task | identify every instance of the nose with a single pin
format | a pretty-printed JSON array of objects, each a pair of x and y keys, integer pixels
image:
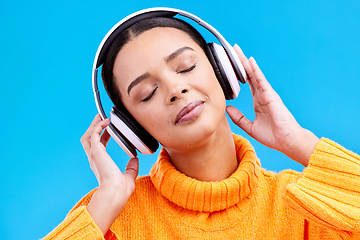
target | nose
[
  {"x": 176, "y": 91},
  {"x": 173, "y": 98}
]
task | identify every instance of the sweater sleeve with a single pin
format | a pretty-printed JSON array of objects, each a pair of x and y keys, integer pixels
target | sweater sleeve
[
  {"x": 79, "y": 224},
  {"x": 328, "y": 192}
]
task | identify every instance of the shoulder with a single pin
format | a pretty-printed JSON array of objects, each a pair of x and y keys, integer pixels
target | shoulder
[
  {"x": 144, "y": 189},
  {"x": 272, "y": 188},
  {"x": 84, "y": 201},
  {"x": 144, "y": 197},
  {"x": 281, "y": 179},
  {"x": 143, "y": 180},
  {"x": 143, "y": 184},
  {"x": 284, "y": 174}
]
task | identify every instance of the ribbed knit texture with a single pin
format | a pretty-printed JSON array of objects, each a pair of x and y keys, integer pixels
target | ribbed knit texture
[
  {"x": 329, "y": 189},
  {"x": 203, "y": 196},
  {"x": 321, "y": 203}
]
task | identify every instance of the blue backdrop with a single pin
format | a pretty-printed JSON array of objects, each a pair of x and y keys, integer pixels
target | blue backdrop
[{"x": 308, "y": 50}]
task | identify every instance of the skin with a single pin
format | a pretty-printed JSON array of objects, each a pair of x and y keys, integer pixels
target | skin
[
  {"x": 166, "y": 59},
  {"x": 196, "y": 142}
]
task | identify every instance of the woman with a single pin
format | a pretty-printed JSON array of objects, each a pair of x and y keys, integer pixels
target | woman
[{"x": 207, "y": 182}]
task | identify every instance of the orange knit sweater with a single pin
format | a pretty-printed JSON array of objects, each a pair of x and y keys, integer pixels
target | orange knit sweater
[{"x": 323, "y": 202}]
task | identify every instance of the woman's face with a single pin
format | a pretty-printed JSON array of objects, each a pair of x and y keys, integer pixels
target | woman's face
[{"x": 167, "y": 83}]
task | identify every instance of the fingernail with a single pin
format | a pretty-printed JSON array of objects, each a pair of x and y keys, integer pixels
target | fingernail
[
  {"x": 229, "y": 109},
  {"x": 237, "y": 47}
]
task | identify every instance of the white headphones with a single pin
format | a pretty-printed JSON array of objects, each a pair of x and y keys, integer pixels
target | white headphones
[{"x": 126, "y": 131}]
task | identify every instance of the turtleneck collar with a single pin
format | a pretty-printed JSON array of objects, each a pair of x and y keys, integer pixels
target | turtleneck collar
[{"x": 202, "y": 196}]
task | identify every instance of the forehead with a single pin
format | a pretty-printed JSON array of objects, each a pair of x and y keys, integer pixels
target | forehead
[
  {"x": 156, "y": 40},
  {"x": 148, "y": 49}
]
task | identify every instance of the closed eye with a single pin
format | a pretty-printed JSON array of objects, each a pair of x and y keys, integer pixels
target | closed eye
[
  {"x": 187, "y": 70},
  {"x": 149, "y": 97}
]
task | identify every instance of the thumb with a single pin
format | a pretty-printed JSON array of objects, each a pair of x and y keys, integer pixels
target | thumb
[
  {"x": 132, "y": 168},
  {"x": 239, "y": 119}
]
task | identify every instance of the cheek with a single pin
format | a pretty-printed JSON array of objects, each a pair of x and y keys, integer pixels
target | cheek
[
  {"x": 208, "y": 78},
  {"x": 153, "y": 119},
  {"x": 211, "y": 85},
  {"x": 216, "y": 94}
]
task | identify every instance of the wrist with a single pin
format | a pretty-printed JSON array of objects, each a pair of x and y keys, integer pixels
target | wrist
[
  {"x": 113, "y": 198},
  {"x": 105, "y": 206},
  {"x": 301, "y": 146}
]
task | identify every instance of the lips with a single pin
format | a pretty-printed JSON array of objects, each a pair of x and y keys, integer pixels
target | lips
[{"x": 189, "y": 112}]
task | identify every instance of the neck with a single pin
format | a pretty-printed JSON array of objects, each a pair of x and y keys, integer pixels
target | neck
[{"x": 212, "y": 160}]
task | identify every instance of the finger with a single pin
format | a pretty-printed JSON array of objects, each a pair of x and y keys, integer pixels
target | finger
[
  {"x": 260, "y": 77},
  {"x": 96, "y": 120},
  {"x": 239, "y": 119},
  {"x": 245, "y": 62},
  {"x": 132, "y": 168},
  {"x": 86, "y": 144},
  {"x": 85, "y": 139},
  {"x": 240, "y": 54},
  {"x": 96, "y": 131},
  {"x": 105, "y": 137}
]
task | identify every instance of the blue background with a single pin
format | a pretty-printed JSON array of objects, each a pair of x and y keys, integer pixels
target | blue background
[{"x": 308, "y": 50}]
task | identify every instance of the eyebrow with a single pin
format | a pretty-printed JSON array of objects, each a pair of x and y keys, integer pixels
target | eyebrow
[
  {"x": 177, "y": 53},
  {"x": 137, "y": 81},
  {"x": 167, "y": 60}
]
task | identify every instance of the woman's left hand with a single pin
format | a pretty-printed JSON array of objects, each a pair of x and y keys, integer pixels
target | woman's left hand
[{"x": 274, "y": 125}]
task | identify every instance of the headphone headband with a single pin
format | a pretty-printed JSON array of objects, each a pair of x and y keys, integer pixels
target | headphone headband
[
  {"x": 145, "y": 143},
  {"x": 124, "y": 24},
  {"x": 149, "y": 13}
]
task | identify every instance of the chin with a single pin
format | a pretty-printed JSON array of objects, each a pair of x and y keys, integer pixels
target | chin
[{"x": 194, "y": 136}]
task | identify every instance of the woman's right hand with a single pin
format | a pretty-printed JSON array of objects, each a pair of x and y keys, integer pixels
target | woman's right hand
[{"x": 115, "y": 187}]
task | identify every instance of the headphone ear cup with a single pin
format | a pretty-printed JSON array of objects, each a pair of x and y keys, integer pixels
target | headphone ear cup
[
  {"x": 217, "y": 71},
  {"x": 133, "y": 131},
  {"x": 121, "y": 140},
  {"x": 223, "y": 70}
]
